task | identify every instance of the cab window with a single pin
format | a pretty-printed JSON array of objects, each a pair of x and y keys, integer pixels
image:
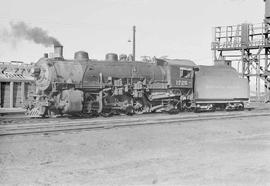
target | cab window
[{"x": 185, "y": 73}]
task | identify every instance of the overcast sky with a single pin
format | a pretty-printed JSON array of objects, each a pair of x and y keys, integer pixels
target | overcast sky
[{"x": 174, "y": 28}]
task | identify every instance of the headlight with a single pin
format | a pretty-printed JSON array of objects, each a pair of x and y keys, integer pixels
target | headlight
[{"x": 35, "y": 71}]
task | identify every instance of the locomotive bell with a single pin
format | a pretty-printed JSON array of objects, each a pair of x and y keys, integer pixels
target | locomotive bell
[{"x": 123, "y": 57}]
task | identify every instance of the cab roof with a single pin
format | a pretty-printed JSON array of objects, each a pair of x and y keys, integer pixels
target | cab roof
[{"x": 182, "y": 62}]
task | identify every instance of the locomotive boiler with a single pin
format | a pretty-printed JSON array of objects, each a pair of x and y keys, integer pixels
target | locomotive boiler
[{"x": 110, "y": 86}]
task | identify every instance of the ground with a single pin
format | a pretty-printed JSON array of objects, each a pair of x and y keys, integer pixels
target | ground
[{"x": 216, "y": 152}]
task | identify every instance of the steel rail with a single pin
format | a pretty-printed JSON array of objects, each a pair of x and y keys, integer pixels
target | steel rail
[{"x": 79, "y": 125}]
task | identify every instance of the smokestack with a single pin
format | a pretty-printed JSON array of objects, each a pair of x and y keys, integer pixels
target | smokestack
[{"x": 58, "y": 51}]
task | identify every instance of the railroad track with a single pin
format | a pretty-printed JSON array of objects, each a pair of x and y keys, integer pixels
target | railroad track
[{"x": 58, "y": 126}]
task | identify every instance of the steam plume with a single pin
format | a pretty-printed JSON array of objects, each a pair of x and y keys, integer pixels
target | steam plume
[{"x": 21, "y": 30}]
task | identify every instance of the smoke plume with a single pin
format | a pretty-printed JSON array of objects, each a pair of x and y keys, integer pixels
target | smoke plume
[{"x": 21, "y": 30}]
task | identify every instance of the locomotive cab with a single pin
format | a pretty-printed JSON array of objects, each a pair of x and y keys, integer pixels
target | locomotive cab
[{"x": 180, "y": 79}]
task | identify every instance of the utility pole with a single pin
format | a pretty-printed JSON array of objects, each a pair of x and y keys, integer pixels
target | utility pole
[
  {"x": 134, "y": 43},
  {"x": 267, "y": 9}
]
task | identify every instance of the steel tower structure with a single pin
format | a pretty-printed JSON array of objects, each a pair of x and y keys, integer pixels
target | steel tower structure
[{"x": 247, "y": 48}]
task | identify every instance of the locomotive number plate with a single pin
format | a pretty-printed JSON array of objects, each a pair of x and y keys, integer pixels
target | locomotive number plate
[{"x": 181, "y": 83}]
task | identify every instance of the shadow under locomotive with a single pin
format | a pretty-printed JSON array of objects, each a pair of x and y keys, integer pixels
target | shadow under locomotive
[{"x": 91, "y": 87}]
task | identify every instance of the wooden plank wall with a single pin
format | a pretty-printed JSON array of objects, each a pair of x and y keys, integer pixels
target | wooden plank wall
[
  {"x": 17, "y": 95},
  {"x": 5, "y": 93},
  {"x": 29, "y": 89}
]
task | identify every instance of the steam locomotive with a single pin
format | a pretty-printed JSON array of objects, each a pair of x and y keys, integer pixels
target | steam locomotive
[{"x": 85, "y": 87}]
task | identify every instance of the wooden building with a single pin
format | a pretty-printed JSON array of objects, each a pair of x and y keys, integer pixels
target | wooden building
[{"x": 16, "y": 84}]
